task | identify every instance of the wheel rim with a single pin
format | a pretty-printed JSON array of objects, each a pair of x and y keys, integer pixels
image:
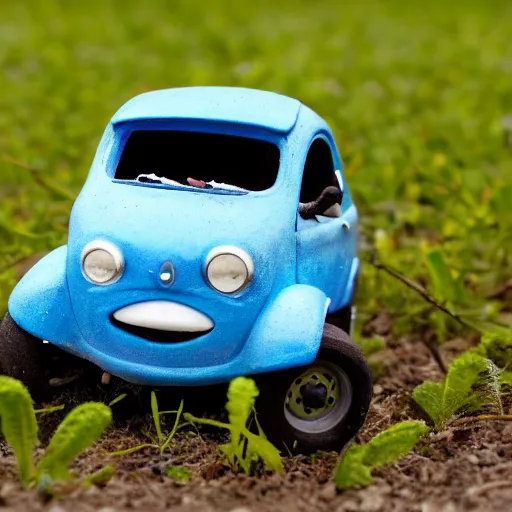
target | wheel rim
[{"x": 319, "y": 398}]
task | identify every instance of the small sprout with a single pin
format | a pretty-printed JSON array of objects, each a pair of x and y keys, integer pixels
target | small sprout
[
  {"x": 79, "y": 430},
  {"x": 117, "y": 399},
  {"x": 472, "y": 381},
  {"x": 244, "y": 447},
  {"x": 100, "y": 477},
  {"x": 19, "y": 425},
  {"x": 163, "y": 440}
]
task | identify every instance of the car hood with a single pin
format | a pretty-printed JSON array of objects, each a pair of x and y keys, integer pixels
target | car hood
[{"x": 152, "y": 226}]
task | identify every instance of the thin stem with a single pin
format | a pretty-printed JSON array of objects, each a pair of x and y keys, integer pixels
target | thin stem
[
  {"x": 205, "y": 421},
  {"x": 174, "y": 429}
]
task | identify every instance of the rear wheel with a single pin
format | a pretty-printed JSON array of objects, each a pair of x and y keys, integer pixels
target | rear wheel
[
  {"x": 21, "y": 358},
  {"x": 321, "y": 406}
]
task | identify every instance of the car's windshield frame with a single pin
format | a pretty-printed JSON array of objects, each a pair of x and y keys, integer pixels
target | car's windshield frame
[{"x": 123, "y": 131}]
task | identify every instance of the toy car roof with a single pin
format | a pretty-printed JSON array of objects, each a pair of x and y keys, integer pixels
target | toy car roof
[{"x": 223, "y": 104}]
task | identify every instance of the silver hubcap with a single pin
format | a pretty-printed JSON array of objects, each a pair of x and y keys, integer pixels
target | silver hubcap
[{"x": 319, "y": 398}]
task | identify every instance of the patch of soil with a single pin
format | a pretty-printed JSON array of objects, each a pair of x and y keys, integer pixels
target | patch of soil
[{"x": 464, "y": 468}]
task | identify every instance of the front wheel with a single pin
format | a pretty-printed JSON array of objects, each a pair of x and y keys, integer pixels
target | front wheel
[
  {"x": 20, "y": 358},
  {"x": 321, "y": 406}
]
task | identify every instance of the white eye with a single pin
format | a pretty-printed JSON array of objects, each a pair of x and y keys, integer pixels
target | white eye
[
  {"x": 229, "y": 269},
  {"x": 102, "y": 263}
]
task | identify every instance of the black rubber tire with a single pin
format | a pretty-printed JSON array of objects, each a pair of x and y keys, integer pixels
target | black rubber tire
[
  {"x": 20, "y": 358},
  {"x": 337, "y": 348}
]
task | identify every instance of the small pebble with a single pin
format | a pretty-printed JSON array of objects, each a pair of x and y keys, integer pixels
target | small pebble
[
  {"x": 329, "y": 492},
  {"x": 472, "y": 458}
]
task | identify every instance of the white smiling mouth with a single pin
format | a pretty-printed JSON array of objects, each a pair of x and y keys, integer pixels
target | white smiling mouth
[{"x": 164, "y": 316}]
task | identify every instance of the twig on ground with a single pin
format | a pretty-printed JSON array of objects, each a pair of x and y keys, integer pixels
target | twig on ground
[
  {"x": 421, "y": 291},
  {"x": 481, "y": 417},
  {"x": 433, "y": 347},
  {"x": 489, "y": 486}
]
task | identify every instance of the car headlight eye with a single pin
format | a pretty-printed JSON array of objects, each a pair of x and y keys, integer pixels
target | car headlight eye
[
  {"x": 229, "y": 269},
  {"x": 102, "y": 263}
]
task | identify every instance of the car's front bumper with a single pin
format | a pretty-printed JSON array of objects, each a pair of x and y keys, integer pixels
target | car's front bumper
[{"x": 286, "y": 333}]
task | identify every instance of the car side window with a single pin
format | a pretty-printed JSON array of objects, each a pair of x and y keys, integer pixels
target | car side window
[{"x": 320, "y": 192}]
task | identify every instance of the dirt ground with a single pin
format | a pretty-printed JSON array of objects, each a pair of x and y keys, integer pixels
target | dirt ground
[{"x": 463, "y": 468}]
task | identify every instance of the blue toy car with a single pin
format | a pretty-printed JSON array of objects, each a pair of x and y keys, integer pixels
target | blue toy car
[{"x": 214, "y": 237}]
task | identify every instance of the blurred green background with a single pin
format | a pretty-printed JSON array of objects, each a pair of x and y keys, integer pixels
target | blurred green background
[{"x": 416, "y": 94}]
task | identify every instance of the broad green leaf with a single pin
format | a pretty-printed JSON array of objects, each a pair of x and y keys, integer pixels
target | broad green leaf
[
  {"x": 393, "y": 443},
  {"x": 77, "y": 432},
  {"x": 429, "y": 396},
  {"x": 463, "y": 374},
  {"x": 351, "y": 471},
  {"x": 18, "y": 424},
  {"x": 506, "y": 379},
  {"x": 354, "y": 468},
  {"x": 471, "y": 380}
]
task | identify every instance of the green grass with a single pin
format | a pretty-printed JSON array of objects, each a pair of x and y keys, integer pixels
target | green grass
[{"x": 415, "y": 94}]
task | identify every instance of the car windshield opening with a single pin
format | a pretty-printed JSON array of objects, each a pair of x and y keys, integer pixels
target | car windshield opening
[{"x": 201, "y": 160}]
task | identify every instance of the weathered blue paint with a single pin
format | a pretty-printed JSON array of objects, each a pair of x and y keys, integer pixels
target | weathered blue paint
[{"x": 300, "y": 267}]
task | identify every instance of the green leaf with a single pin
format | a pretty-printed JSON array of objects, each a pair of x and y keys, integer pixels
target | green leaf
[
  {"x": 497, "y": 346},
  {"x": 506, "y": 379},
  {"x": 445, "y": 287},
  {"x": 470, "y": 379},
  {"x": 259, "y": 447},
  {"x": 79, "y": 430},
  {"x": 393, "y": 443},
  {"x": 354, "y": 469},
  {"x": 463, "y": 374},
  {"x": 175, "y": 427},
  {"x": 19, "y": 426},
  {"x": 429, "y": 396},
  {"x": 351, "y": 471},
  {"x": 244, "y": 447},
  {"x": 156, "y": 417},
  {"x": 100, "y": 477},
  {"x": 242, "y": 393},
  {"x": 117, "y": 399},
  {"x": 178, "y": 473}
]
